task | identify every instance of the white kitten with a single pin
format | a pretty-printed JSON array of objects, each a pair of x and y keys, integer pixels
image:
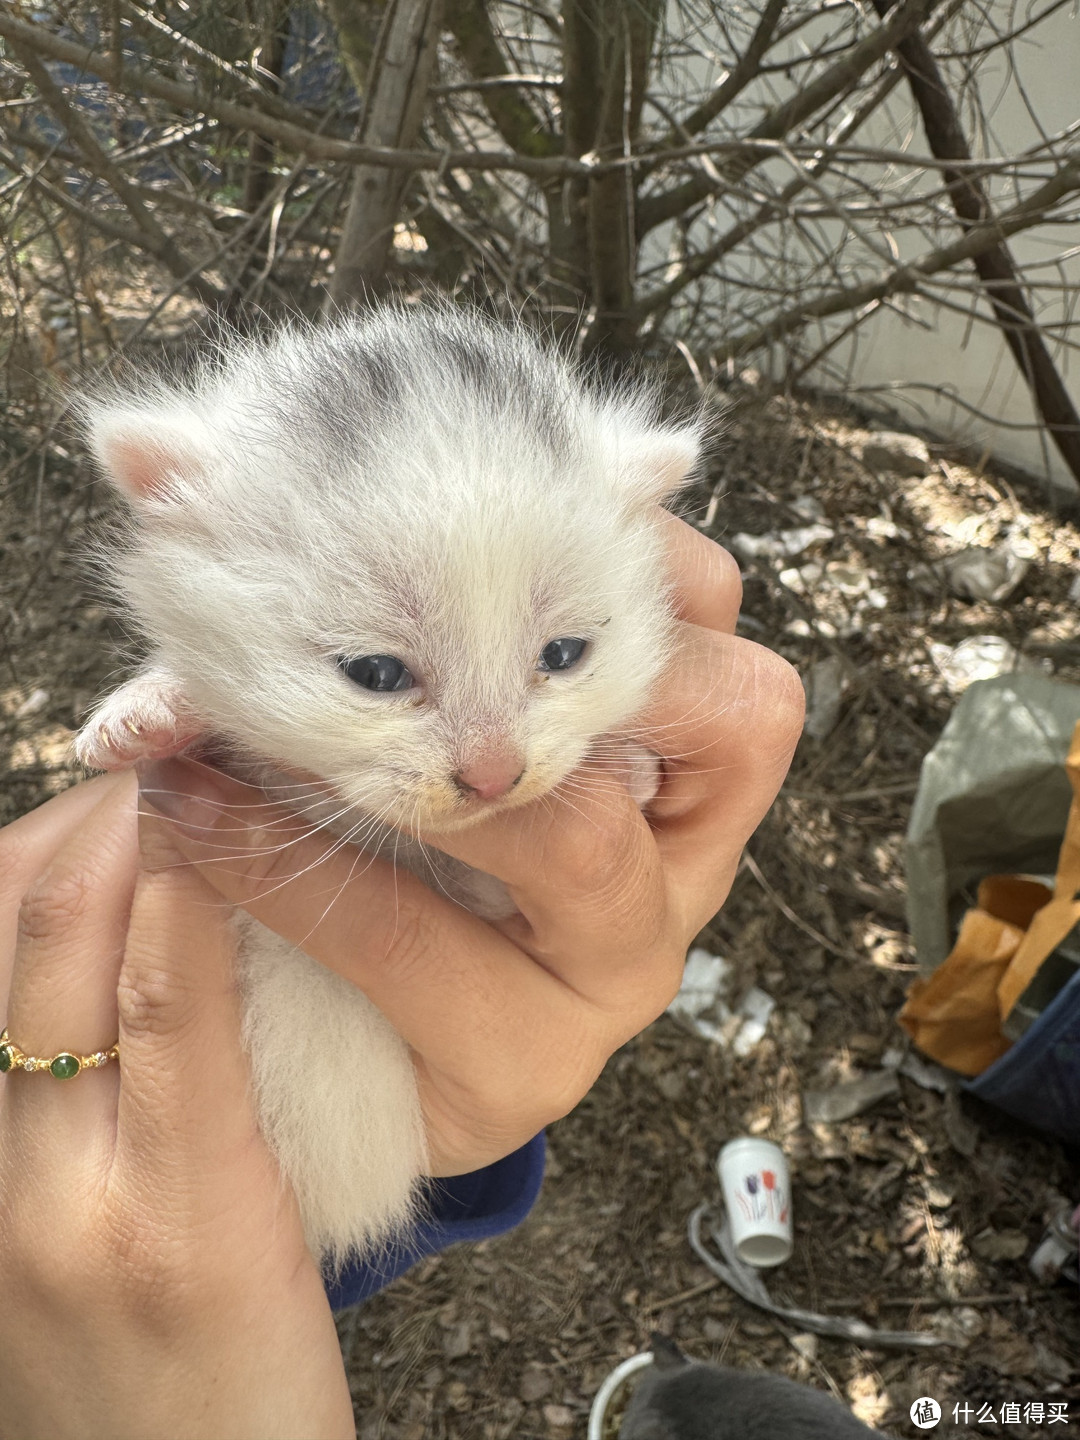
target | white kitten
[{"x": 416, "y": 555}]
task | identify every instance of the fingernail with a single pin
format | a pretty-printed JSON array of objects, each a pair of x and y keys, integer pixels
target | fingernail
[{"x": 182, "y": 791}]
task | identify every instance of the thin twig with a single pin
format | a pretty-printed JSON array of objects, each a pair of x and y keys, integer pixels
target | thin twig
[{"x": 785, "y": 909}]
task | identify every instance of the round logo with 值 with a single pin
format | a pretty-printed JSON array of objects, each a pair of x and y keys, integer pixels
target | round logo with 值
[{"x": 925, "y": 1412}]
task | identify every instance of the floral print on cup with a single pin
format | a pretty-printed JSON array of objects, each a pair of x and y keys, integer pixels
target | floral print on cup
[{"x": 764, "y": 1197}]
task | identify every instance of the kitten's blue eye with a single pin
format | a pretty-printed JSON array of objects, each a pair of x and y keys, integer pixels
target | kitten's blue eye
[
  {"x": 561, "y": 654},
  {"x": 376, "y": 672}
]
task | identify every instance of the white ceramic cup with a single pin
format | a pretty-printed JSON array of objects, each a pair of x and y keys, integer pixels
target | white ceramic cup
[{"x": 757, "y": 1196}]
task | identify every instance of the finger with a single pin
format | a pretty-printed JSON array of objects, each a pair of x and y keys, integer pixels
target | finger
[
  {"x": 381, "y": 928},
  {"x": 726, "y": 720},
  {"x": 707, "y": 581},
  {"x": 726, "y": 724},
  {"x": 183, "y": 1102},
  {"x": 28, "y": 845},
  {"x": 483, "y": 1019},
  {"x": 71, "y": 929},
  {"x": 436, "y": 971},
  {"x": 582, "y": 867}
]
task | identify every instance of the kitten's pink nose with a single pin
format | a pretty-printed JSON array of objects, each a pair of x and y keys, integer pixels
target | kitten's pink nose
[{"x": 489, "y": 776}]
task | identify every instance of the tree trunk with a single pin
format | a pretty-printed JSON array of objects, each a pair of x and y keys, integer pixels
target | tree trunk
[
  {"x": 612, "y": 248},
  {"x": 607, "y": 57},
  {"x": 567, "y": 201},
  {"x": 400, "y": 75},
  {"x": 258, "y": 176},
  {"x": 995, "y": 267}
]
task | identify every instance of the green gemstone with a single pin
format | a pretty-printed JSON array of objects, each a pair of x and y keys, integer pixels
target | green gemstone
[
  {"x": 64, "y": 1066},
  {"x": 6, "y": 1058}
]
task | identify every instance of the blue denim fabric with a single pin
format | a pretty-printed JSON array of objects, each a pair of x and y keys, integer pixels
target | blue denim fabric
[
  {"x": 1038, "y": 1079},
  {"x": 463, "y": 1207}
]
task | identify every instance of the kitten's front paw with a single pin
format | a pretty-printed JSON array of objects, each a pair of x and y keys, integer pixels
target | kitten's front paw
[{"x": 146, "y": 719}]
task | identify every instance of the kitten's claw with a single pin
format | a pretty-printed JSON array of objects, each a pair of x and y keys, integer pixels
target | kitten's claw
[{"x": 146, "y": 719}]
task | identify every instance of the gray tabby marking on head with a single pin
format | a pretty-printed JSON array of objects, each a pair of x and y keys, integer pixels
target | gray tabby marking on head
[{"x": 681, "y": 1399}]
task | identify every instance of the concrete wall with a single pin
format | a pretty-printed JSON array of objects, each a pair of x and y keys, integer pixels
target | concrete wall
[{"x": 899, "y": 358}]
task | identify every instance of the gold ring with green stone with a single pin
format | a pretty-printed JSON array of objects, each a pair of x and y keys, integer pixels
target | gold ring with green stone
[{"x": 63, "y": 1066}]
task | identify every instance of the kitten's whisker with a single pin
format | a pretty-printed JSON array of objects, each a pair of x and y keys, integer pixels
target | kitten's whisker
[
  {"x": 224, "y": 830},
  {"x": 369, "y": 856}
]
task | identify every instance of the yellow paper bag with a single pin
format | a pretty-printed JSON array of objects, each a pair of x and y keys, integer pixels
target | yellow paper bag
[
  {"x": 955, "y": 1016},
  {"x": 1053, "y": 922}
]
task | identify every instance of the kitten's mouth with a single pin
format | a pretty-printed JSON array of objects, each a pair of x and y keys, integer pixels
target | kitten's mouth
[
  {"x": 471, "y": 809},
  {"x": 456, "y": 807}
]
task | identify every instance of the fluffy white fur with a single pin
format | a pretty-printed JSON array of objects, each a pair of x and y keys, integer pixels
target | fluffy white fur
[{"x": 418, "y": 483}]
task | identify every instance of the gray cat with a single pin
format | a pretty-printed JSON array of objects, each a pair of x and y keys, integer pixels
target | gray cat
[{"x": 681, "y": 1399}]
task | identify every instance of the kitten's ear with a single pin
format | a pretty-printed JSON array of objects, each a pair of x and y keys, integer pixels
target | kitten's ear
[
  {"x": 660, "y": 462},
  {"x": 147, "y": 453},
  {"x": 666, "y": 1354}
]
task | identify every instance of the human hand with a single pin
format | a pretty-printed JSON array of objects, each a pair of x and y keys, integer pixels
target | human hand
[
  {"x": 153, "y": 1269},
  {"x": 510, "y": 1022}
]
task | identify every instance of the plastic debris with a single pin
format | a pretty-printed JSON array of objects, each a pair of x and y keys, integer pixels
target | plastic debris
[
  {"x": 701, "y": 1005},
  {"x": 895, "y": 453},
  {"x": 850, "y": 1098},
  {"x": 993, "y": 799},
  {"x": 747, "y": 1282},
  {"x": 808, "y": 508},
  {"x": 607, "y": 1391},
  {"x": 1052, "y": 976},
  {"x": 704, "y": 981},
  {"x": 1058, "y": 1248},
  {"x": 756, "y": 1185},
  {"x": 824, "y": 686},
  {"x": 33, "y": 704},
  {"x": 785, "y": 544},
  {"x": 925, "y": 1073},
  {"x": 981, "y": 657},
  {"x": 990, "y": 572},
  {"x": 754, "y": 1011}
]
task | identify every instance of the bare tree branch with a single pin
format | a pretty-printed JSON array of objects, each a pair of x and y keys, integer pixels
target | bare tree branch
[
  {"x": 554, "y": 146},
  {"x": 654, "y": 305},
  {"x": 904, "y": 279},
  {"x": 783, "y": 117},
  {"x": 396, "y": 97},
  {"x": 734, "y": 82},
  {"x": 511, "y": 114},
  {"x": 994, "y": 265},
  {"x": 144, "y": 21},
  {"x": 156, "y": 240},
  {"x": 200, "y": 100}
]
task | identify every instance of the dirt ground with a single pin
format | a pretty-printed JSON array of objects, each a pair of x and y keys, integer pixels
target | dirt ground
[{"x": 917, "y": 1214}]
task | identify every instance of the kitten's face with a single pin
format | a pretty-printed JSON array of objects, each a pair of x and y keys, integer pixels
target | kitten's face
[
  {"x": 412, "y": 554},
  {"x": 402, "y": 673}
]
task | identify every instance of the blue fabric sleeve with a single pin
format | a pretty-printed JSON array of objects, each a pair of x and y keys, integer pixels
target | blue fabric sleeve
[{"x": 462, "y": 1207}]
